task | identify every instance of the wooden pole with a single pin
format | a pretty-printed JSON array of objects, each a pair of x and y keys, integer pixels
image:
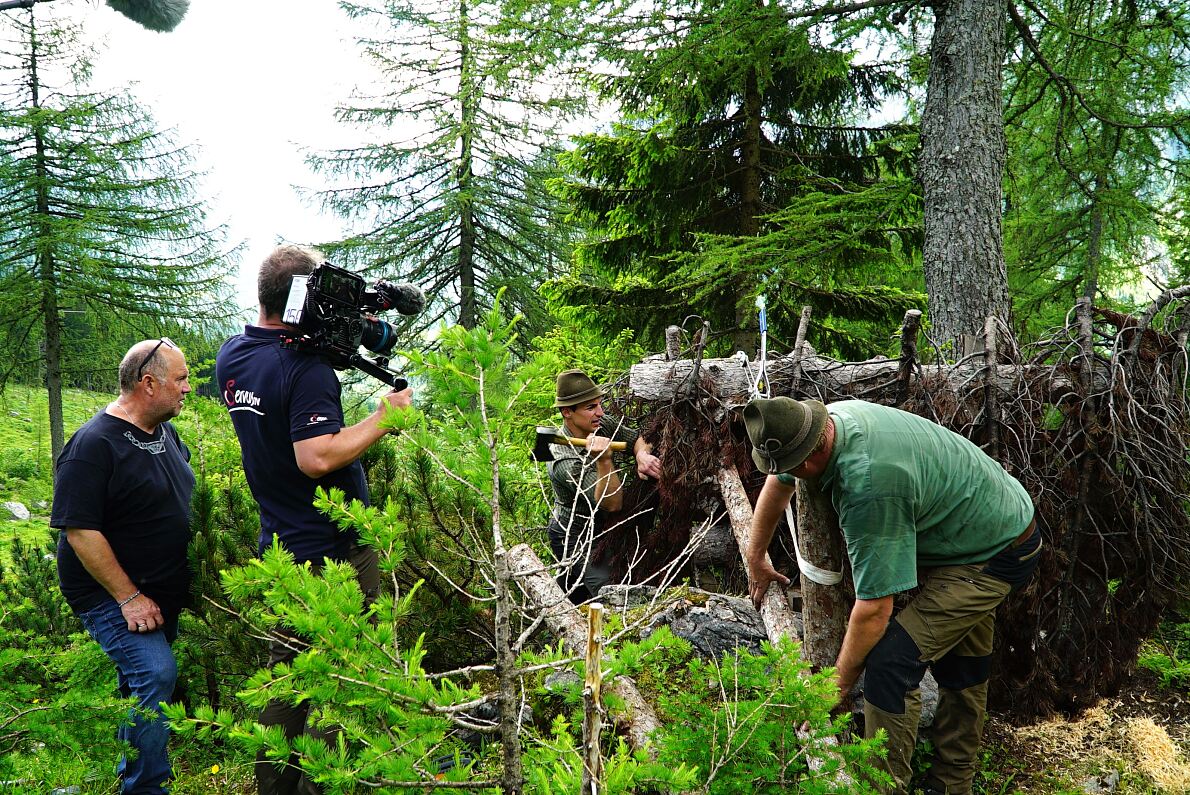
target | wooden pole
[
  {"x": 991, "y": 408},
  {"x": 779, "y": 619},
  {"x": 673, "y": 343},
  {"x": 910, "y": 327},
  {"x": 592, "y": 705},
  {"x": 799, "y": 348},
  {"x": 825, "y": 608}
]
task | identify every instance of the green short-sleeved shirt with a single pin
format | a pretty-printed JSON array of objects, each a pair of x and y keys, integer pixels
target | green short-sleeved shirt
[
  {"x": 910, "y": 492},
  {"x": 572, "y": 476}
]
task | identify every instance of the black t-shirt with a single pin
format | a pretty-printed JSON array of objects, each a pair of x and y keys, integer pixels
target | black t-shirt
[
  {"x": 135, "y": 489},
  {"x": 277, "y": 397}
]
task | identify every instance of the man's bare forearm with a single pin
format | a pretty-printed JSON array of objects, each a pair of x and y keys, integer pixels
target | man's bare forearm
[
  {"x": 95, "y": 553},
  {"x": 865, "y": 627},
  {"x": 774, "y": 496}
]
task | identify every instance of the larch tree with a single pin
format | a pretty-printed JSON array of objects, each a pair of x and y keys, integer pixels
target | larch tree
[
  {"x": 101, "y": 229},
  {"x": 1095, "y": 137},
  {"x": 451, "y": 195}
]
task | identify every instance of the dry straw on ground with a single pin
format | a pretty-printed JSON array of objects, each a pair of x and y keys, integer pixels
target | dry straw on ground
[{"x": 1157, "y": 757}]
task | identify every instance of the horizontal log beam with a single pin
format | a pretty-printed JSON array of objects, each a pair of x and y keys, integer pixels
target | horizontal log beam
[{"x": 731, "y": 380}]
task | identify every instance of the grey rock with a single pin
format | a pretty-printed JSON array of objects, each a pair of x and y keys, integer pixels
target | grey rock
[
  {"x": 929, "y": 700},
  {"x": 487, "y": 716},
  {"x": 1099, "y": 785},
  {"x": 14, "y": 511},
  {"x": 713, "y": 623},
  {"x": 561, "y": 680},
  {"x": 626, "y": 597}
]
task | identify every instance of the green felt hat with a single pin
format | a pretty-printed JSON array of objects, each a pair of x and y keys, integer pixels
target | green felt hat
[
  {"x": 574, "y": 387},
  {"x": 783, "y": 431}
]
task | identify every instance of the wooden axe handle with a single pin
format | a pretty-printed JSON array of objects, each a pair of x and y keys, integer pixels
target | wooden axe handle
[{"x": 616, "y": 447}]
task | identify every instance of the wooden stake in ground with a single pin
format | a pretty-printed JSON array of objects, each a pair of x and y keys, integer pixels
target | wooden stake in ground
[{"x": 592, "y": 703}]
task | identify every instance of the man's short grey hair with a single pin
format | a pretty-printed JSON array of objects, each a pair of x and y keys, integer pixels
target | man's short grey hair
[
  {"x": 131, "y": 363},
  {"x": 278, "y": 270}
]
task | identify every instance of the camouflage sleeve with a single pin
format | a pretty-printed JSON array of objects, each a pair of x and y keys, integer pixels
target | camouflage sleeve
[
  {"x": 620, "y": 430},
  {"x": 573, "y": 481}
]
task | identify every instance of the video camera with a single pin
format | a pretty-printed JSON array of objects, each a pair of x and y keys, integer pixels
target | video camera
[{"x": 330, "y": 307}]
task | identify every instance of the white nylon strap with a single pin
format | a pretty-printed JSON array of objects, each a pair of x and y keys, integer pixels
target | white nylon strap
[{"x": 808, "y": 569}]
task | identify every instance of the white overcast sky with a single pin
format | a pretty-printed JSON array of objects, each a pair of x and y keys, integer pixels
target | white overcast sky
[{"x": 248, "y": 83}]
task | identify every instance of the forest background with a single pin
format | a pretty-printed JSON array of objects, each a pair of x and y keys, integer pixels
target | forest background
[{"x": 738, "y": 161}]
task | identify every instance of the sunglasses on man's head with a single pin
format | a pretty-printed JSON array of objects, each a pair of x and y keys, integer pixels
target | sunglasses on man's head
[{"x": 163, "y": 341}]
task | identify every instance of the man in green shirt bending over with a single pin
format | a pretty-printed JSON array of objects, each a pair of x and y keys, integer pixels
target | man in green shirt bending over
[{"x": 918, "y": 505}]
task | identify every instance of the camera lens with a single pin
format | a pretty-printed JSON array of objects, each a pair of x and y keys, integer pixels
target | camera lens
[{"x": 377, "y": 336}]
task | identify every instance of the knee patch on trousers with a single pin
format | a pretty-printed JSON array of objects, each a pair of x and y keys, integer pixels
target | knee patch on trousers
[
  {"x": 956, "y": 672},
  {"x": 893, "y": 668}
]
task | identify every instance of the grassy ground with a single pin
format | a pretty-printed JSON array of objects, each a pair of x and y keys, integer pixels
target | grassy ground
[{"x": 25, "y": 458}]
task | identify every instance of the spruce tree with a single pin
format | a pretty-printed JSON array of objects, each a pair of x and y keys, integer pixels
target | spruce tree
[{"x": 729, "y": 114}]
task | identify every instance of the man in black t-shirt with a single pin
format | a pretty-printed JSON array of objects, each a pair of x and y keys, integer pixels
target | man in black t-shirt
[
  {"x": 285, "y": 406},
  {"x": 122, "y": 489}
]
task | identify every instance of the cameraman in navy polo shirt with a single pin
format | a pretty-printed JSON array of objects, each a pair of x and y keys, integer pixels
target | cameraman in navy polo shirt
[{"x": 286, "y": 409}]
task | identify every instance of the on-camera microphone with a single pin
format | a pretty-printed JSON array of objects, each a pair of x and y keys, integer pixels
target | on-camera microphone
[
  {"x": 407, "y": 299},
  {"x": 159, "y": 15}
]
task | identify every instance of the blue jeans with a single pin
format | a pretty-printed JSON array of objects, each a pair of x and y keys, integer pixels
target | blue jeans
[{"x": 146, "y": 671}]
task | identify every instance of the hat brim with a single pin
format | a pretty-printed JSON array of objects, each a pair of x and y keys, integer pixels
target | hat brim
[
  {"x": 796, "y": 457},
  {"x": 570, "y": 401}
]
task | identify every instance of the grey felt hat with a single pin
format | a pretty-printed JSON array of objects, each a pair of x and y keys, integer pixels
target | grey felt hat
[
  {"x": 574, "y": 387},
  {"x": 783, "y": 431}
]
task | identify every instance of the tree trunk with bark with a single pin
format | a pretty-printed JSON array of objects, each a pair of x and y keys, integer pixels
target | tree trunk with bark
[
  {"x": 961, "y": 167},
  {"x": 825, "y": 608},
  {"x": 468, "y": 99}
]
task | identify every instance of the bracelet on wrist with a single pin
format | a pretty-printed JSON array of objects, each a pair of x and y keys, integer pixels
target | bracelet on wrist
[{"x": 129, "y": 599}]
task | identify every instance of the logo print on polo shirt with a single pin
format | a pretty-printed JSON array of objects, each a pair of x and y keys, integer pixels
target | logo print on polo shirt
[
  {"x": 154, "y": 448},
  {"x": 240, "y": 399},
  {"x": 316, "y": 418}
]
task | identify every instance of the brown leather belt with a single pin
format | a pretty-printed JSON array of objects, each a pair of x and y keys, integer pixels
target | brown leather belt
[{"x": 1023, "y": 537}]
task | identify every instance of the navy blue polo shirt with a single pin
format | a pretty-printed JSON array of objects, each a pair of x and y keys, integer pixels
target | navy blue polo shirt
[{"x": 277, "y": 397}]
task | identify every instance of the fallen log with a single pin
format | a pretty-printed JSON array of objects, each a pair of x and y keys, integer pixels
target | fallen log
[
  {"x": 638, "y": 720},
  {"x": 731, "y": 380}
]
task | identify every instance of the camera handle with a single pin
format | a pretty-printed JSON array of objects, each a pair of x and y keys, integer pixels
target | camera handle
[{"x": 377, "y": 370}]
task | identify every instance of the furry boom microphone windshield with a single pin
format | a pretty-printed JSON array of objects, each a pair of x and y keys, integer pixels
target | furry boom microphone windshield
[{"x": 159, "y": 15}]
